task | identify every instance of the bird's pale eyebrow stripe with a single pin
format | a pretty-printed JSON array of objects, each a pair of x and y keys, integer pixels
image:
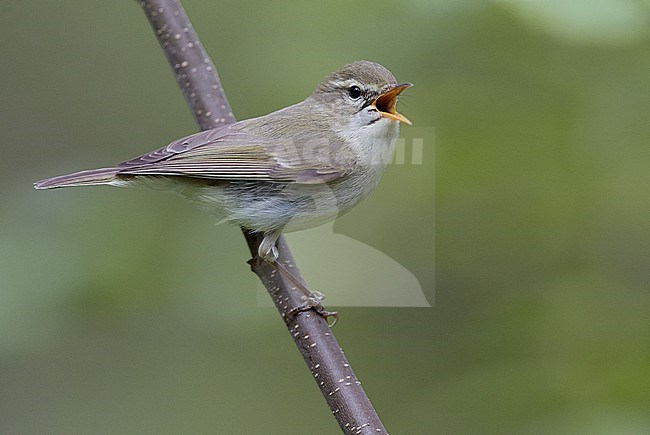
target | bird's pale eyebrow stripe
[
  {"x": 345, "y": 83},
  {"x": 372, "y": 89}
]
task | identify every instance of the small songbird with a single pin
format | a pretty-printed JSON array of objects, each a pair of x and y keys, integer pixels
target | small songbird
[{"x": 292, "y": 169}]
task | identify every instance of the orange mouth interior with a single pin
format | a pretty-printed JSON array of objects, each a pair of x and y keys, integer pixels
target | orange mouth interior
[{"x": 386, "y": 102}]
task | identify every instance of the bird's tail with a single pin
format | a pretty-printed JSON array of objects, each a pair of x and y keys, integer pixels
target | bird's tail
[{"x": 82, "y": 178}]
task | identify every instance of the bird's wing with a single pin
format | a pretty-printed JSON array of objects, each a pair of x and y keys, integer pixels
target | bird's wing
[
  {"x": 231, "y": 153},
  {"x": 178, "y": 146}
]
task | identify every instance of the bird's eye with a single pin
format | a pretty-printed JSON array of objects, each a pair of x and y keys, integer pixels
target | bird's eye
[{"x": 354, "y": 92}]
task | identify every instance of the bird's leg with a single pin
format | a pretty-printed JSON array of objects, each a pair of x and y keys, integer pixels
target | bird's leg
[{"x": 268, "y": 252}]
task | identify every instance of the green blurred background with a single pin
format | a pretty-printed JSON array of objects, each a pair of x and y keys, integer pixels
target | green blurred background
[{"x": 128, "y": 311}]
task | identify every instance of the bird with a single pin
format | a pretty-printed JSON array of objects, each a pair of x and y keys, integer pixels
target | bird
[{"x": 292, "y": 169}]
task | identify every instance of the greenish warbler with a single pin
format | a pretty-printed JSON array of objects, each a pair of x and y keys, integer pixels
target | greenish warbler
[{"x": 292, "y": 169}]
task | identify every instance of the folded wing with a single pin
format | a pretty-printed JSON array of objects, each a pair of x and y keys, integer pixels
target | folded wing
[{"x": 231, "y": 153}]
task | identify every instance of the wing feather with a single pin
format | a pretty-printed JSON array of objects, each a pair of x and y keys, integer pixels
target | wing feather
[{"x": 231, "y": 153}]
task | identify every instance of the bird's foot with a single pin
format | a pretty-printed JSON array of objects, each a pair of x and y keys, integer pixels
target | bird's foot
[
  {"x": 268, "y": 252},
  {"x": 313, "y": 302}
]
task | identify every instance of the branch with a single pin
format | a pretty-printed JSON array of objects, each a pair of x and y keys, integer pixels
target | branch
[{"x": 197, "y": 77}]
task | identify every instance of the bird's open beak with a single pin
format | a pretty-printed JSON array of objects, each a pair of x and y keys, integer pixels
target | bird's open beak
[{"x": 386, "y": 102}]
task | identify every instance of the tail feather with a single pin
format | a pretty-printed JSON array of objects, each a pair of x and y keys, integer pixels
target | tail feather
[{"x": 81, "y": 178}]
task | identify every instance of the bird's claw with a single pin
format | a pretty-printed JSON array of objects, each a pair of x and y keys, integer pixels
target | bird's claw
[{"x": 313, "y": 303}]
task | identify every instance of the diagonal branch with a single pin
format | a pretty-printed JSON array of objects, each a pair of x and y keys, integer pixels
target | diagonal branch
[{"x": 197, "y": 77}]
